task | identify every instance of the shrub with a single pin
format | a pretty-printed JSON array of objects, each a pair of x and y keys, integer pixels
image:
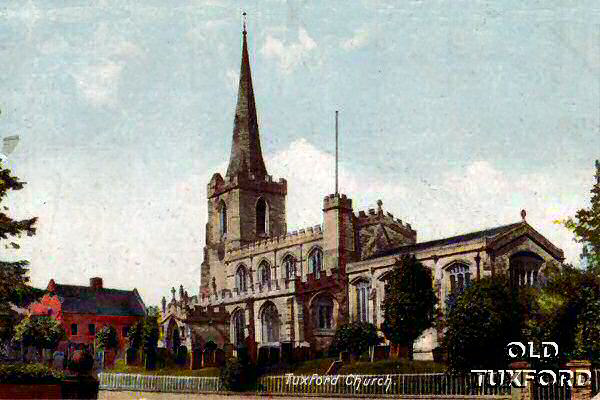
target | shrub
[
  {"x": 106, "y": 338},
  {"x": 237, "y": 375},
  {"x": 355, "y": 338},
  {"x": 81, "y": 362},
  {"x": 29, "y": 374}
]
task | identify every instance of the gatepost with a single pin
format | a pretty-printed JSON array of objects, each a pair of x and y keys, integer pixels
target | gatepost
[{"x": 525, "y": 392}]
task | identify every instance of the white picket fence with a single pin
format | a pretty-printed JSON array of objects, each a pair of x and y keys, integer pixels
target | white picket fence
[{"x": 362, "y": 385}]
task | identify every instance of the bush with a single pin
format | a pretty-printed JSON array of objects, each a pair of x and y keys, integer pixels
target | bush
[
  {"x": 29, "y": 374},
  {"x": 355, "y": 338},
  {"x": 106, "y": 338},
  {"x": 237, "y": 375},
  {"x": 81, "y": 362}
]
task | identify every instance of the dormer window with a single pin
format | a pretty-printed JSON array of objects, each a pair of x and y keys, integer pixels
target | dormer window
[
  {"x": 223, "y": 219},
  {"x": 262, "y": 217}
]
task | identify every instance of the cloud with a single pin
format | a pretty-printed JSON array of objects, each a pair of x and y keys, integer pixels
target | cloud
[
  {"x": 99, "y": 83},
  {"x": 360, "y": 39},
  {"x": 289, "y": 54}
]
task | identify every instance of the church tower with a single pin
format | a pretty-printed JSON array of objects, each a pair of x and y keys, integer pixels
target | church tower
[{"x": 246, "y": 205}]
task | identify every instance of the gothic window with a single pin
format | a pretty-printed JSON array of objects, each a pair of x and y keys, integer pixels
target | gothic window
[
  {"x": 460, "y": 278},
  {"x": 362, "y": 307},
  {"x": 239, "y": 324},
  {"x": 289, "y": 265},
  {"x": 264, "y": 273},
  {"x": 524, "y": 268},
  {"x": 324, "y": 313},
  {"x": 269, "y": 319},
  {"x": 262, "y": 217},
  {"x": 223, "y": 218},
  {"x": 241, "y": 279},
  {"x": 315, "y": 262}
]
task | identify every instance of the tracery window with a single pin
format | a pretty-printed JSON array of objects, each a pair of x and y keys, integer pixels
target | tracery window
[
  {"x": 269, "y": 319},
  {"x": 264, "y": 273},
  {"x": 239, "y": 324},
  {"x": 362, "y": 290},
  {"x": 460, "y": 278},
  {"x": 289, "y": 265},
  {"x": 241, "y": 282},
  {"x": 315, "y": 262},
  {"x": 324, "y": 312}
]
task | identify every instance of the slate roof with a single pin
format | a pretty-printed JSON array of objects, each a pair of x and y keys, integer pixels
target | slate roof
[
  {"x": 87, "y": 300},
  {"x": 411, "y": 248}
]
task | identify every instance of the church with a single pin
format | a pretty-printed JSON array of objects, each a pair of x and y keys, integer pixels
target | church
[{"x": 275, "y": 294}]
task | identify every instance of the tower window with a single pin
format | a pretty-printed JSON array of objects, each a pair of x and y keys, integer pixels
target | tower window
[
  {"x": 315, "y": 263},
  {"x": 223, "y": 218},
  {"x": 262, "y": 217},
  {"x": 324, "y": 313}
]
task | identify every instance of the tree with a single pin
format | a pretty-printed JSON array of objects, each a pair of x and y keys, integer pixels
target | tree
[
  {"x": 586, "y": 226},
  {"x": 149, "y": 340},
  {"x": 355, "y": 338},
  {"x": 485, "y": 318},
  {"x": 409, "y": 303},
  {"x": 106, "y": 338},
  {"x": 40, "y": 332},
  {"x": 13, "y": 274}
]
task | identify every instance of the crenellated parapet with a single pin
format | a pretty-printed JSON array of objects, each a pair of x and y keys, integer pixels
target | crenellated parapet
[
  {"x": 299, "y": 236},
  {"x": 276, "y": 287},
  {"x": 337, "y": 201},
  {"x": 219, "y": 185},
  {"x": 374, "y": 217}
]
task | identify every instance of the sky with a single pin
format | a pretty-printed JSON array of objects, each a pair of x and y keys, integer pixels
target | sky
[{"x": 456, "y": 114}]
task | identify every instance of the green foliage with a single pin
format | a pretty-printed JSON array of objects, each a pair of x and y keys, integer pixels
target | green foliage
[
  {"x": 106, "y": 338},
  {"x": 586, "y": 226},
  {"x": 13, "y": 275},
  {"x": 409, "y": 303},
  {"x": 29, "y": 374},
  {"x": 150, "y": 333},
  {"x": 40, "y": 332},
  {"x": 355, "y": 338},
  {"x": 134, "y": 338},
  {"x": 237, "y": 375},
  {"x": 482, "y": 322}
]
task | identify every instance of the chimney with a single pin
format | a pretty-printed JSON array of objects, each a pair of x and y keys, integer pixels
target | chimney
[{"x": 96, "y": 283}]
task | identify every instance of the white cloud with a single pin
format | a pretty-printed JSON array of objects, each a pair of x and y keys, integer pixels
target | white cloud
[
  {"x": 360, "y": 39},
  {"x": 289, "y": 54}
]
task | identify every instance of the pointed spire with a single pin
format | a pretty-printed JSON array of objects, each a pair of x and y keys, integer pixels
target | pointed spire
[{"x": 246, "y": 154}]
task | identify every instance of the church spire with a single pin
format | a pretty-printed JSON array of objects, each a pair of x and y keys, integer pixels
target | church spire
[{"x": 246, "y": 154}]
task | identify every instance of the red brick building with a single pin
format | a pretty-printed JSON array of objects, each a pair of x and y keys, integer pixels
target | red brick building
[{"x": 83, "y": 310}]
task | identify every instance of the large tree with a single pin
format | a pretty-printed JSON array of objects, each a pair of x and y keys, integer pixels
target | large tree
[
  {"x": 586, "y": 226},
  {"x": 485, "y": 318},
  {"x": 13, "y": 274},
  {"x": 409, "y": 303},
  {"x": 41, "y": 332}
]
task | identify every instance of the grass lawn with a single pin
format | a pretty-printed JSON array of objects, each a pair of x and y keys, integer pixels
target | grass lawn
[
  {"x": 121, "y": 368},
  {"x": 399, "y": 366}
]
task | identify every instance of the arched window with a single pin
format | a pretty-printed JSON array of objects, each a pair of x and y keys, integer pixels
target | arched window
[
  {"x": 241, "y": 279},
  {"x": 363, "y": 288},
  {"x": 324, "y": 312},
  {"x": 262, "y": 217},
  {"x": 460, "y": 278},
  {"x": 315, "y": 262},
  {"x": 289, "y": 265},
  {"x": 239, "y": 325},
  {"x": 223, "y": 218},
  {"x": 269, "y": 319},
  {"x": 264, "y": 273}
]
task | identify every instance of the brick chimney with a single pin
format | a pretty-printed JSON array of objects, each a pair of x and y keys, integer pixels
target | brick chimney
[{"x": 96, "y": 283}]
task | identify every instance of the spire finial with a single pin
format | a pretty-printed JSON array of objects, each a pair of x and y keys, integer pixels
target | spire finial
[{"x": 244, "y": 23}]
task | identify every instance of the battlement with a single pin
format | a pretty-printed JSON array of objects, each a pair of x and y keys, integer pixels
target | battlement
[
  {"x": 218, "y": 184},
  {"x": 373, "y": 216},
  {"x": 278, "y": 287},
  {"x": 291, "y": 238},
  {"x": 337, "y": 201}
]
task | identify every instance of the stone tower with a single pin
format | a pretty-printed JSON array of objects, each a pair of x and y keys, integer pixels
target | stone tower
[{"x": 246, "y": 205}]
